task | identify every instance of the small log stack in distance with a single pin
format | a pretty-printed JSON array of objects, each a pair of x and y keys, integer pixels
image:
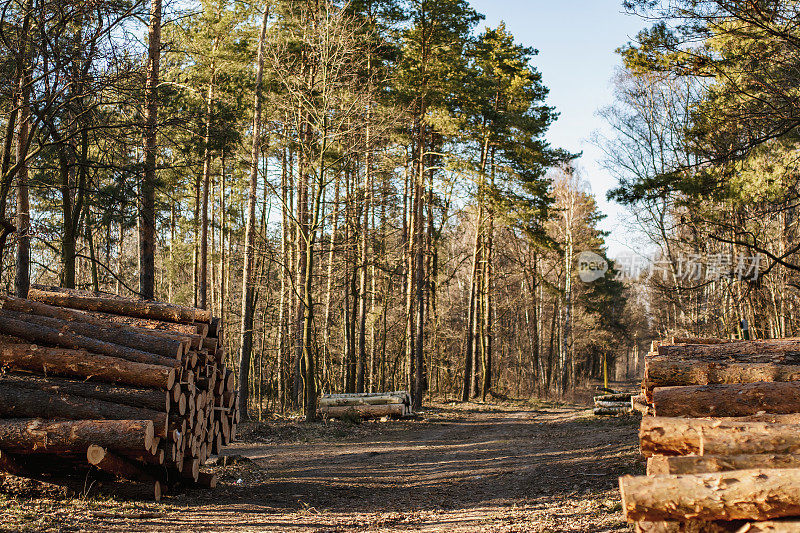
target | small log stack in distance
[
  {"x": 723, "y": 445},
  {"x": 138, "y": 389},
  {"x": 366, "y": 404}
]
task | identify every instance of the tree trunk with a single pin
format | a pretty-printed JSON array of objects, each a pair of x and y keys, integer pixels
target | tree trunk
[
  {"x": 248, "y": 283},
  {"x": 147, "y": 215}
]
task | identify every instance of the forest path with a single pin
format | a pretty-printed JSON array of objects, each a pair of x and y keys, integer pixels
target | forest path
[
  {"x": 484, "y": 468},
  {"x": 515, "y": 467}
]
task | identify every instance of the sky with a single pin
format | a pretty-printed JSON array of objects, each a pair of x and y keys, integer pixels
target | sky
[{"x": 576, "y": 40}]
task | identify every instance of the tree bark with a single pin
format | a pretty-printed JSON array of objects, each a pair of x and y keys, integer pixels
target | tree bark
[{"x": 757, "y": 494}]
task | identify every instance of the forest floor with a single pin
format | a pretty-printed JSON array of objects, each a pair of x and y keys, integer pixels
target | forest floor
[{"x": 508, "y": 467}]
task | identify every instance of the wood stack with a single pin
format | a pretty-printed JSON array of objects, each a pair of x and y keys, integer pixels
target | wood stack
[
  {"x": 365, "y": 405},
  {"x": 613, "y": 403},
  {"x": 135, "y": 388},
  {"x": 723, "y": 449}
]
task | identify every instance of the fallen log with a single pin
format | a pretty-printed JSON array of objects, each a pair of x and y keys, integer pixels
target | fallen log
[
  {"x": 727, "y": 400},
  {"x": 345, "y": 411},
  {"x": 32, "y": 435},
  {"x": 701, "y": 464},
  {"x": 158, "y": 400},
  {"x": 46, "y": 335},
  {"x": 81, "y": 364},
  {"x": 22, "y": 402},
  {"x": 757, "y": 494},
  {"x": 682, "y": 436},
  {"x": 107, "y": 303},
  {"x": 789, "y": 348}
]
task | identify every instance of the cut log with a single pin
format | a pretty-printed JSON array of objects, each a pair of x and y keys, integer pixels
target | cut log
[
  {"x": 692, "y": 526},
  {"x": 696, "y": 464},
  {"x": 45, "y": 335},
  {"x": 771, "y": 526},
  {"x": 757, "y": 494},
  {"x": 362, "y": 410},
  {"x": 639, "y": 404},
  {"x": 191, "y": 469},
  {"x": 727, "y": 400},
  {"x": 37, "y": 308},
  {"x": 12, "y": 464},
  {"x": 788, "y": 348},
  {"x": 207, "y": 479},
  {"x": 155, "y": 344},
  {"x": 22, "y": 402},
  {"x": 119, "y": 466},
  {"x": 611, "y": 411},
  {"x": 735, "y": 438},
  {"x": 668, "y": 372},
  {"x": 107, "y": 303},
  {"x": 617, "y": 397},
  {"x": 20, "y": 435},
  {"x": 158, "y": 400},
  {"x": 701, "y": 340},
  {"x": 681, "y": 436},
  {"x": 79, "y": 363}
]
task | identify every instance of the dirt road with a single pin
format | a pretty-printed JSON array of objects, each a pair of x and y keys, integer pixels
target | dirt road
[{"x": 481, "y": 469}]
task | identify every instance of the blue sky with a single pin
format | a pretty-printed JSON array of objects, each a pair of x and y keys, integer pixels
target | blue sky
[{"x": 576, "y": 40}]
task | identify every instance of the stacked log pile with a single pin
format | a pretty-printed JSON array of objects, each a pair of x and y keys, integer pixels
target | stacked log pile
[
  {"x": 612, "y": 403},
  {"x": 723, "y": 446},
  {"x": 366, "y": 405},
  {"x": 137, "y": 389}
]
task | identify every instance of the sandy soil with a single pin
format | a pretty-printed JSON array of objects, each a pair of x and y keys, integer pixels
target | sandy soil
[{"x": 505, "y": 468}]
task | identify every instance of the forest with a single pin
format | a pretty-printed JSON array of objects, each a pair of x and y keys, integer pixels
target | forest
[{"x": 363, "y": 191}]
